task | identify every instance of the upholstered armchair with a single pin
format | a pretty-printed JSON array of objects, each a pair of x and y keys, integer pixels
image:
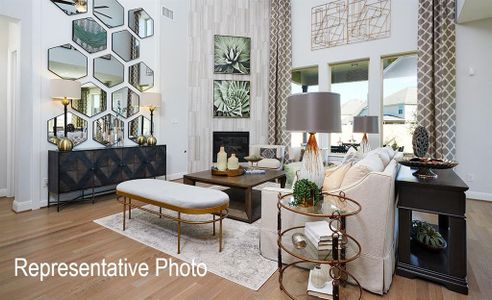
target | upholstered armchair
[{"x": 273, "y": 156}]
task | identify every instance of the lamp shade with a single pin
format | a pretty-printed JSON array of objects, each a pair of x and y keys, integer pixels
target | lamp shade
[
  {"x": 366, "y": 124},
  {"x": 61, "y": 89},
  {"x": 314, "y": 112},
  {"x": 151, "y": 99}
]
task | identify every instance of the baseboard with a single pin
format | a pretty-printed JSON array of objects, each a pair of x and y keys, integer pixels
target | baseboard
[
  {"x": 21, "y": 206},
  {"x": 175, "y": 176},
  {"x": 3, "y": 192},
  {"x": 479, "y": 196}
]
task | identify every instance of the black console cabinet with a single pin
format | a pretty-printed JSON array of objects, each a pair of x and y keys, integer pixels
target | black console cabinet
[
  {"x": 80, "y": 170},
  {"x": 445, "y": 197}
]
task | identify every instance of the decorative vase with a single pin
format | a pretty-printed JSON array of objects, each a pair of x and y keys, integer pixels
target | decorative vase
[
  {"x": 312, "y": 163},
  {"x": 65, "y": 144},
  {"x": 299, "y": 240},
  {"x": 151, "y": 141},
  {"x": 141, "y": 140},
  {"x": 420, "y": 141},
  {"x": 222, "y": 159},
  {"x": 233, "y": 162},
  {"x": 318, "y": 277}
]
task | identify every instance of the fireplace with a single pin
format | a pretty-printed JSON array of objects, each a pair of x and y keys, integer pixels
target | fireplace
[{"x": 234, "y": 142}]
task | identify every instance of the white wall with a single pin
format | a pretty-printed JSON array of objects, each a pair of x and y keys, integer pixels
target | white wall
[
  {"x": 174, "y": 89},
  {"x": 474, "y": 106},
  {"x": 4, "y": 42},
  {"x": 403, "y": 39}
]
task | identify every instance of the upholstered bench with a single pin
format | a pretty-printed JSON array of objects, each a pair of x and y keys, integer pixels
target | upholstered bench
[{"x": 181, "y": 198}]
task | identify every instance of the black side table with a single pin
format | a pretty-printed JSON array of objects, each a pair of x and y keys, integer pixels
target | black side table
[{"x": 444, "y": 196}]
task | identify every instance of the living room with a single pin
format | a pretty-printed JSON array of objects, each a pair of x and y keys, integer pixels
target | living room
[{"x": 266, "y": 149}]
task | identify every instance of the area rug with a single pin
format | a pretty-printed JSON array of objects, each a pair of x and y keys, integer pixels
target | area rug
[{"x": 240, "y": 260}]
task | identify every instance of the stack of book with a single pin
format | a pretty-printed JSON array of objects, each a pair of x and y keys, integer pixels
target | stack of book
[
  {"x": 319, "y": 234},
  {"x": 326, "y": 292}
]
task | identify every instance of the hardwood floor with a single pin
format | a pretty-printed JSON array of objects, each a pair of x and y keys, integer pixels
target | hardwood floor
[{"x": 71, "y": 236}]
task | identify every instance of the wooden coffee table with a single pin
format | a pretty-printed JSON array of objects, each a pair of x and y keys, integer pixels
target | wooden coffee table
[{"x": 245, "y": 203}]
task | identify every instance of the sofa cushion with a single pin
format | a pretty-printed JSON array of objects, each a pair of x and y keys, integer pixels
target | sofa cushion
[
  {"x": 269, "y": 163},
  {"x": 390, "y": 151},
  {"x": 335, "y": 178},
  {"x": 383, "y": 155},
  {"x": 352, "y": 156},
  {"x": 371, "y": 163}
]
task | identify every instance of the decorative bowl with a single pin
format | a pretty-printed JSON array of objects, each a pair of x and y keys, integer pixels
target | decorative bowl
[
  {"x": 424, "y": 166},
  {"x": 253, "y": 159}
]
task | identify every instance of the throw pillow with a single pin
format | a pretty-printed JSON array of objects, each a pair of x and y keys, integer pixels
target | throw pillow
[
  {"x": 371, "y": 163},
  {"x": 383, "y": 155},
  {"x": 335, "y": 178},
  {"x": 268, "y": 153},
  {"x": 352, "y": 156}
]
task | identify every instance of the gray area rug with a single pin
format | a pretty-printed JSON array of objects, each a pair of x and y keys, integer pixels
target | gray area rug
[{"x": 240, "y": 260}]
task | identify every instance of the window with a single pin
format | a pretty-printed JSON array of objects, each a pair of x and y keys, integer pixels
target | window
[
  {"x": 303, "y": 80},
  {"x": 399, "y": 100},
  {"x": 350, "y": 80}
]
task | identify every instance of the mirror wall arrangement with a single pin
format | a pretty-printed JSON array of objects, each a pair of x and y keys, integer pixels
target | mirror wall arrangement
[
  {"x": 141, "y": 76},
  {"x": 137, "y": 127},
  {"x": 110, "y": 12},
  {"x": 71, "y": 7},
  {"x": 141, "y": 23},
  {"x": 70, "y": 61},
  {"x": 76, "y": 129},
  {"x": 67, "y": 62},
  {"x": 125, "y": 102},
  {"x": 108, "y": 70},
  {"x": 108, "y": 130},
  {"x": 93, "y": 100}
]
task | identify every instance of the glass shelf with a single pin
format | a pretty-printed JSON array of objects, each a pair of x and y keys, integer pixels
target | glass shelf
[
  {"x": 330, "y": 206},
  {"x": 348, "y": 248}
]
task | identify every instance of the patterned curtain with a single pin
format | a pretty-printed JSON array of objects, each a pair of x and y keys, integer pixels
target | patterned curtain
[
  {"x": 436, "y": 109},
  {"x": 280, "y": 71}
]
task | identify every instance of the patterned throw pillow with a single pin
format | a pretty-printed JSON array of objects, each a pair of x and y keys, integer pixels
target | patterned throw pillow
[{"x": 268, "y": 152}]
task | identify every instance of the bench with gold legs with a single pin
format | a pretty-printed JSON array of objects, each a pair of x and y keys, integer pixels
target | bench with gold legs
[{"x": 183, "y": 199}]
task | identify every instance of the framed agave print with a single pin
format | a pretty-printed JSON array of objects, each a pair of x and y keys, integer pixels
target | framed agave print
[
  {"x": 232, "y": 55},
  {"x": 232, "y": 99}
]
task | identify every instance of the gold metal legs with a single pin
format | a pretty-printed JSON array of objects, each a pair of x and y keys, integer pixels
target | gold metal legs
[
  {"x": 124, "y": 212},
  {"x": 129, "y": 208},
  {"x": 220, "y": 232},
  {"x": 213, "y": 215},
  {"x": 160, "y": 212},
  {"x": 179, "y": 232}
]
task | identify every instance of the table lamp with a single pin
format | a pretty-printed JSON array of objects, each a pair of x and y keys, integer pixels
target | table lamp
[
  {"x": 365, "y": 125},
  {"x": 312, "y": 113},
  {"x": 151, "y": 101},
  {"x": 65, "y": 90}
]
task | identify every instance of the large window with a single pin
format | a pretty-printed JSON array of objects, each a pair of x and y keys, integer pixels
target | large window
[
  {"x": 303, "y": 80},
  {"x": 399, "y": 100},
  {"x": 350, "y": 80}
]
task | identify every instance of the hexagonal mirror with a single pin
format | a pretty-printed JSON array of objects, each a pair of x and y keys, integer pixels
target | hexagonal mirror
[
  {"x": 140, "y": 22},
  {"x": 76, "y": 129},
  {"x": 125, "y": 102},
  {"x": 126, "y": 45},
  {"x": 110, "y": 12},
  {"x": 138, "y": 126},
  {"x": 93, "y": 100},
  {"x": 67, "y": 62},
  {"x": 89, "y": 35},
  {"x": 71, "y": 7},
  {"x": 141, "y": 76},
  {"x": 108, "y": 70},
  {"x": 108, "y": 130}
]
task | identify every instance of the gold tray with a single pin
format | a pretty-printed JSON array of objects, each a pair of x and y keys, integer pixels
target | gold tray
[{"x": 229, "y": 173}]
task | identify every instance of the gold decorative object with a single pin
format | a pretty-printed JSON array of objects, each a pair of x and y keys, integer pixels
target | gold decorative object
[
  {"x": 151, "y": 141},
  {"x": 65, "y": 144},
  {"x": 299, "y": 240},
  {"x": 141, "y": 140},
  {"x": 54, "y": 140}
]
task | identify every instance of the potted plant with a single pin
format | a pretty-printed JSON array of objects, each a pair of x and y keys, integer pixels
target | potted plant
[{"x": 306, "y": 193}]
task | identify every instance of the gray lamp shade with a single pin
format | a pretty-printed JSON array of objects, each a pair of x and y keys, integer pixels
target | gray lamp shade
[
  {"x": 366, "y": 124},
  {"x": 314, "y": 112}
]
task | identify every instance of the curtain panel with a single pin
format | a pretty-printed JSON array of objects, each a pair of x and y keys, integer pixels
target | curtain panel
[
  {"x": 280, "y": 71},
  {"x": 436, "y": 109}
]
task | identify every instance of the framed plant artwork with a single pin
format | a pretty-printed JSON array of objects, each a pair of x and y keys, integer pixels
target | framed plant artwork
[
  {"x": 232, "y": 55},
  {"x": 232, "y": 99}
]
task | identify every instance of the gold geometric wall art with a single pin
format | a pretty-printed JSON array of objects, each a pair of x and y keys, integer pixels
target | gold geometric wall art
[{"x": 341, "y": 22}]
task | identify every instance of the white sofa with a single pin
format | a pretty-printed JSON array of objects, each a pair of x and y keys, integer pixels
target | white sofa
[{"x": 373, "y": 227}]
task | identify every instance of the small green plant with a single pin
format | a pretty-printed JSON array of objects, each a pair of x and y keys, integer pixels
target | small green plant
[{"x": 306, "y": 191}]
